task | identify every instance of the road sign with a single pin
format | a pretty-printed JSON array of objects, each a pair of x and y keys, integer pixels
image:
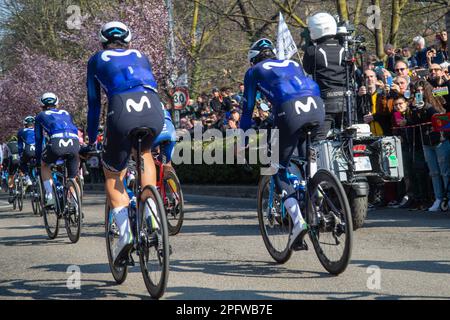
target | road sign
[{"x": 180, "y": 98}]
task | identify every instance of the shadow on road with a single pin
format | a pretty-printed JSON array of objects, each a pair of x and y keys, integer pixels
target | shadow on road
[
  {"x": 430, "y": 266},
  {"x": 33, "y": 240},
  {"x": 407, "y": 219},
  {"x": 222, "y": 230},
  {"x": 57, "y": 289}
]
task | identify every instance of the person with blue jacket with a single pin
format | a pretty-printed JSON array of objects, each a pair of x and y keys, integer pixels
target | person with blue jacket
[{"x": 27, "y": 146}]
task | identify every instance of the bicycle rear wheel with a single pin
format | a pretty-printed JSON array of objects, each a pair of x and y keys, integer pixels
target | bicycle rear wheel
[
  {"x": 20, "y": 194},
  {"x": 330, "y": 220},
  {"x": 34, "y": 199},
  {"x": 73, "y": 218},
  {"x": 274, "y": 229},
  {"x": 174, "y": 201},
  {"x": 51, "y": 217},
  {"x": 154, "y": 249},
  {"x": 111, "y": 236}
]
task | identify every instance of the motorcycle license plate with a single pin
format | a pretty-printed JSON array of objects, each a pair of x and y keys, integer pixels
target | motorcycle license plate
[{"x": 362, "y": 164}]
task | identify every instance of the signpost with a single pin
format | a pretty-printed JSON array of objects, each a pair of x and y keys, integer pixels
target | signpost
[{"x": 180, "y": 99}]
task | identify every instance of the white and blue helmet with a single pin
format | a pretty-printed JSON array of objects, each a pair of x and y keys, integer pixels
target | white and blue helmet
[
  {"x": 49, "y": 99},
  {"x": 115, "y": 31}
]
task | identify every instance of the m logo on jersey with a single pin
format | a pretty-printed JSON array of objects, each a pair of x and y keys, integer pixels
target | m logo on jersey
[
  {"x": 64, "y": 144},
  {"x": 32, "y": 148},
  {"x": 271, "y": 64},
  {"x": 50, "y": 112},
  {"x": 305, "y": 107},
  {"x": 138, "y": 107},
  {"x": 106, "y": 55}
]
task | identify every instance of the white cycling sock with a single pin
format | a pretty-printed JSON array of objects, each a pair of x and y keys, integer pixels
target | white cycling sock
[
  {"x": 122, "y": 221},
  {"x": 150, "y": 211},
  {"x": 48, "y": 185},
  {"x": 293, "y": 208}
]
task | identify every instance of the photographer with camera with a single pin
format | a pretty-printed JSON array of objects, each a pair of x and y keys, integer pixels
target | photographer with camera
[{"x": 324, "y": 60}]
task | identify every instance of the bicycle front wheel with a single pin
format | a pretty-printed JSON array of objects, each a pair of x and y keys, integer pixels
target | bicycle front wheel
[
  {"x": 173, "y": 201},
  {"x": 73, "y": 215},
  {"x": 330, "y": 220},
  {"x": 154, "y": 248},
  {"x": 275, "y": 228}
]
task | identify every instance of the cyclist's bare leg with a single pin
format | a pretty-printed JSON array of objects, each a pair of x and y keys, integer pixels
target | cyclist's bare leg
[
  {"x": 115, "y": 190},
  {"x": 46, "y": 174},
  {"x": 149, "y": 175},
  {"x": 11, "y": 182}
]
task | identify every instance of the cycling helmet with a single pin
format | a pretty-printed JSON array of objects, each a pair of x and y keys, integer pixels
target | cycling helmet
[
  {"x": 49, "y": 99},
  {"x": 263, "y": 48},
  {"x": 28, "y": 120},
  {"x": 115, "y": 31},
  {"x": 321, "y": 24}
]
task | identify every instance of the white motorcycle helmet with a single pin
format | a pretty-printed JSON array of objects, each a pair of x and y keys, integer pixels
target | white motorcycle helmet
[{"x": 321, "y": 24}]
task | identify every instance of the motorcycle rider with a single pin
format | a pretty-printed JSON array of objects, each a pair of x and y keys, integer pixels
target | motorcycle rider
[{"x": 324, "y": 60}]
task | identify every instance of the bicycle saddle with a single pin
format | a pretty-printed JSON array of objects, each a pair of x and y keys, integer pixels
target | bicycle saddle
[{"x": 140, "y": 132}]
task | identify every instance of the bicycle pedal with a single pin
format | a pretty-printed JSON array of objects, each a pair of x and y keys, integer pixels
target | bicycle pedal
[{"x": 300, "y": 247}]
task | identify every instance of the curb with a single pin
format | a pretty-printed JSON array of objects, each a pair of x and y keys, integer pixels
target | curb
[{"x": 229, "y": 191}]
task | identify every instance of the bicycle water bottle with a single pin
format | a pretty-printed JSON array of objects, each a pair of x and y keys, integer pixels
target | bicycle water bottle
[{"x": 293, "y": 179}]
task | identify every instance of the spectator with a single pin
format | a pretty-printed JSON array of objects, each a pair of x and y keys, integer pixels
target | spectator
[
  {"x": 227, "y": 104},
  {"x": 233, "y": 120},
  {"x": 440, "y": 83},
  {"x": 401, "y": 87},
  {"x": 240, "y": 94},
  {"x": 216, "y": 101},
  {"x": 391, "y": 57},
  {"x": 401, "y": 69},
  {"x": 421, "y": 52},
  {"x": 436, "y": 146},
  {"x": 374, "y": 104},
  {"x": 408, "y": 58},
  {"x": 438, "y": 52},
  {"x": 413, "y": 156}
]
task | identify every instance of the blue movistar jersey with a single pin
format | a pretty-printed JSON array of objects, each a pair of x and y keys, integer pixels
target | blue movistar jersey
[
  {"x": 168, "y": 134},
  {"x": 116, "y": 71},
  {"x": 280, "y": 81},
  {"x": 53, "y": 122},
  {"x": 25, "y": 137}
]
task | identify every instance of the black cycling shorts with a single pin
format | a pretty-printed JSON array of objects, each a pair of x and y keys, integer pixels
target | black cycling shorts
[
  {"x": 291, "y": 119},
  {"x": 28, "y": 154},
  {"x": 126, "y": 112},
  {"x": 64, "y": 149},
  {"x": 13, "y": 164}
]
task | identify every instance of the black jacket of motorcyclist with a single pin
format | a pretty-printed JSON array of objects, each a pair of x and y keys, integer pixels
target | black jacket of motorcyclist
[{"x": 325, "y": 61}]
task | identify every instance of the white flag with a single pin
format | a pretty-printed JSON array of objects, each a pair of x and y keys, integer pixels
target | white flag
[{"x": 286, "y": 46}]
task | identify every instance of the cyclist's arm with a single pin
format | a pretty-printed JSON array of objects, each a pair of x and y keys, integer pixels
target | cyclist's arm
[
  {"x": 20, "y": 142},
  {"x": 38, "y": 133},
  {"x": 94, "y": 102},
  {"x": 249, "y": 100}
]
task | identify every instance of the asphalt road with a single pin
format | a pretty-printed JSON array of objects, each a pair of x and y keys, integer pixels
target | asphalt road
[{"x": 219, "y": 254}]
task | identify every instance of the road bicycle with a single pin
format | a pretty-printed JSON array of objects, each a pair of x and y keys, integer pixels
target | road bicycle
[
  {"x": 169, "y": 187},
  {"x": 150, "y": 238},
  {"x": 326, "y": 210},
  {"x": 18, "y": 191},
  {"x": 67, "y": 204}
]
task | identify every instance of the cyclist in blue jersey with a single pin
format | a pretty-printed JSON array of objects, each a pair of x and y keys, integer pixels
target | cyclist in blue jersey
[
  {"x": 56, "y": 125},
  {"x": 126, "y": 77},
  {"x": 296, "y": 103},
  {"x": 27, "y": 146}
]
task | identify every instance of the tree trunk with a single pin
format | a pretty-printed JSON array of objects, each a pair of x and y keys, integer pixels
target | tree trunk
[
  {"x": 395, "y": 22},
  {"x": 359, "y": 4},
  {"x": 379, "y": 44},
  {"x": 342, "y": 9}
]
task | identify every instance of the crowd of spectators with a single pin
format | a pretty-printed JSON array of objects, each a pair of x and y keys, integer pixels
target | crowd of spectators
[{"x": 398, "y": 97}]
